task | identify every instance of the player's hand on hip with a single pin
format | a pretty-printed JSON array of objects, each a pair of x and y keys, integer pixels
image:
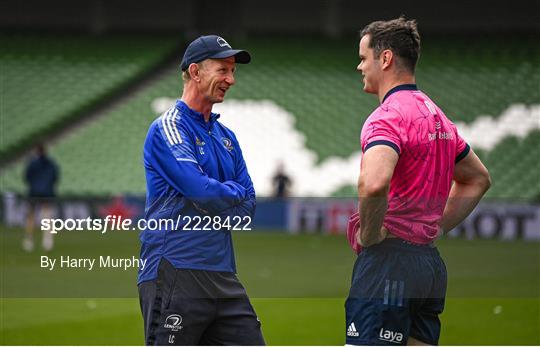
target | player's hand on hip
[
  {"x": 370, "y": 240},
  {"x": 440, "y": 234}
]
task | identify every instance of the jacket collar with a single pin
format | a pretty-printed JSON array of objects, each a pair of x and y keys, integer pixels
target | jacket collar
[{"x": 194, "y": 115}]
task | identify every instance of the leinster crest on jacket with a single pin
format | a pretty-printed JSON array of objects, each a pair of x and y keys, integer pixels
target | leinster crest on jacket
[{"x": 227, "y": 143}]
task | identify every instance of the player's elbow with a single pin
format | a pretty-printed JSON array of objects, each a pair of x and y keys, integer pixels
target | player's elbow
[
  {"x": 371, "y": 188},
  {"x": 486, "y": 180},
  {"x": 482, "y": 180}
]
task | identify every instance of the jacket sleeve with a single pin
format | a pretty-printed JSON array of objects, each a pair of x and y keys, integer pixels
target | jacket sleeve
[
  {"x": 245, "y": 208},
  {"x": 173, "y": 157},
  {"x": 28, "y": 172},
  {"x": 56, "y": 173}
]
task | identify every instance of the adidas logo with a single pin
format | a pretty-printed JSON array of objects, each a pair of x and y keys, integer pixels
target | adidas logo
[{"x": 351, "y": 331}]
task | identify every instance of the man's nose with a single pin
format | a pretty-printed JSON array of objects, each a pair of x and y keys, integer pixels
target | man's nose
[{"x": 230, "y": 79}]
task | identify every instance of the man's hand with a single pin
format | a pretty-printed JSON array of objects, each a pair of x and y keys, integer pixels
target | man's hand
[
  {"x": 365, "y": 241},
  {"x": 352, "y": 231},
  {"x": 440, "y": 234}
]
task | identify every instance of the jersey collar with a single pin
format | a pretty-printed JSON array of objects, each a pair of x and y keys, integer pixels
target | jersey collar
[
  {"x": 196, "y": 116},
  {"x": 398, "y": 88}
]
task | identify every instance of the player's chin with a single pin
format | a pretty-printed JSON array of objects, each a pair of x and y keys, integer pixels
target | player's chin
[
  {"x": 219, "y": 98},
  {"x": 221, "y": 95},
  {"x": 368, "y": 88}
]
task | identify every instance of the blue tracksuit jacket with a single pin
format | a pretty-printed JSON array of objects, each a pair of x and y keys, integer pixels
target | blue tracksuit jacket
[{"x": 193, "y": 168}]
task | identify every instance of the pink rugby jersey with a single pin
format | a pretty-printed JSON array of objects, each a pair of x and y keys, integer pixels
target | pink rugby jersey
[{"x": 429, "y": 147}]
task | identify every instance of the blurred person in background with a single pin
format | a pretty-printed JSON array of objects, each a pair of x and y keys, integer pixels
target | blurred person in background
[
  {"x": 41, "y": 176},
  {"x": 411, "y": 154},
  {"x": 281, "y": 182},
  {"x": 189, "y": 292}
]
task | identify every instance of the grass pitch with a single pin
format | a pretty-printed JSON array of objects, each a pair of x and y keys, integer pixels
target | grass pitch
[{"x": 298, "y": 286}]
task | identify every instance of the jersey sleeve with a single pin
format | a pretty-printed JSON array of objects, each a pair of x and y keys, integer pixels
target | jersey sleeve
[
  {"x": 462, "y": 147},
  {"x": 382, "y": 128},
  {"x": 173, "y": 158}
]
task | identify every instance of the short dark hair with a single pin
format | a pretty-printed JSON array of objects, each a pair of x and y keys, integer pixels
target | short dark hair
[{"x": 398, "y": 35}]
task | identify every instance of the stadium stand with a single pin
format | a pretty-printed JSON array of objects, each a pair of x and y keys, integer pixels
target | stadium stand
[
  {"x": 50, "y": 80},
  {"x": 316, "y": 81},
  {"x": 515, "y": 167}
]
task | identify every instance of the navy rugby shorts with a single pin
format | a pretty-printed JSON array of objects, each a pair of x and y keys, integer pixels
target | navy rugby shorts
[{"x": 398, "y": 291}]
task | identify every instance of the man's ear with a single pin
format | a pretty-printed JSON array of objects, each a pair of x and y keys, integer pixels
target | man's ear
[
  {"x": 387, "y": 58},
  {"x": 194, "y": 71}
]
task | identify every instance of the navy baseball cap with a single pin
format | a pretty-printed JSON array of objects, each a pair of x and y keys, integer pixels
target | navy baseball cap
[{"x": 212, "y": 46}]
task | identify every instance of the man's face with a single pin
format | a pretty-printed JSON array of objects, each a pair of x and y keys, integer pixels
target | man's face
[
  {"x": 217, "y": 76},
  {"x": 369, "y": 66}
]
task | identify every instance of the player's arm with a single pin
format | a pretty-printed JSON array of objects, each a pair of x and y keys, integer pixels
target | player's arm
[
  {"x": 56, "y": 173},
  {"x": 471, "y": 182},
  {"x": 245, "y": 208},
  {"x": 178, "y": 166},
  {"x": 377, "y": 168},
  {"x": 28, "y": 173}
]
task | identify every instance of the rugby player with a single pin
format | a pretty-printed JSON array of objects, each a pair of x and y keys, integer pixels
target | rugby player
[{"x": 418, "y": 180}]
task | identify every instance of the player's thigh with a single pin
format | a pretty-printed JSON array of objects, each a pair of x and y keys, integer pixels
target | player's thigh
[
  {"x": 172, "y": 319},
  {"x": 425, "y": 322},
  {"x": 426, "y": 327},
  {"x": 148, "y": 301},
  {"x": 377, "y": 309},
  {"x": 236, "y": 324},
  {"x": 184, "y": 321},
  {"x": 371, "y": 322},
  {"x": 414, "y": 342},
  {"x": 31, "y": 203}
]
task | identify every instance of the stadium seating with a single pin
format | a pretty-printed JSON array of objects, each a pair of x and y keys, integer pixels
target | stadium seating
[
  {"x": 515, "y": 168},
  {"x": 315, "y": 80},
  {"x": 48, "y": 80}
]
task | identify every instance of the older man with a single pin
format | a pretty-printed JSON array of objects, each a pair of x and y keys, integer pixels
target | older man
[{"x": 195, "y": 173}]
